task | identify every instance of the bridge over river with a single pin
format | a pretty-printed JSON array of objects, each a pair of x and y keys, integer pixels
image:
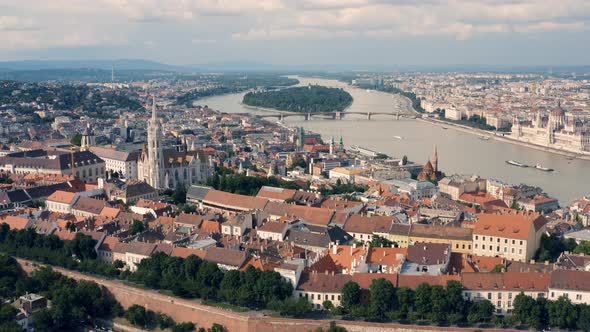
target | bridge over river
[{"x": 334, "y": 115}]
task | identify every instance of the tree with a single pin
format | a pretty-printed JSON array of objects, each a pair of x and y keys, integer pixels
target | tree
[
  {"x": 405, "y": 300},
  {"x": 562, "y": 313},
  {"x": 422, "y": 300},
  {"x": 351, "y": 295},
  {"x": 82, "y": 246},
  {"x": 76, "y": 140},
  {"x": 439, "y": 308},
  {"x": 584, "y": 317},
  {"x": 379, "y": 241},
  {"x": 552, "y": 246},
  {"x": 583, "y": 248},
  {"x": 136, "y": 227},
  {"x": 184, "y": 327},
  {"x": 454, "y": 297},
  {"x": 382, "y": 297},
  {"x": 328, "y": 305},
  {"x": 523, "y": 308}
]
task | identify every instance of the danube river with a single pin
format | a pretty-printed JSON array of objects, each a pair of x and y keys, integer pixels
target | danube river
[{"x": 458, "y": 152}]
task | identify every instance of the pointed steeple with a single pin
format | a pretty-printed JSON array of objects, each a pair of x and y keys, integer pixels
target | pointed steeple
[
  {"x": 435, "y": 159},
  {"x": 154, "y": 108}
]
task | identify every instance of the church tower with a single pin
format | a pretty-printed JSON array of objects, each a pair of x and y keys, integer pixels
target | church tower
[
  {"x": 332, "y": 146},
  {"x": 155, "y": 150},
  {"x": 435, "y": 159},
  {"x": 88, "y": 139}
]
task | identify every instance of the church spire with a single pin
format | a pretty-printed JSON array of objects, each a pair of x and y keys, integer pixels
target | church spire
[
  {"x": 435, "y": 159},
  {"x": 154, "y": 107}
]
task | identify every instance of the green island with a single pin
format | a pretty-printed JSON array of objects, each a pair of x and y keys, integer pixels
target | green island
[{"x": 309, "y": 99}]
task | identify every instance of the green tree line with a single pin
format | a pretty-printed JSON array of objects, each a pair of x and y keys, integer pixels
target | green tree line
[{"x": 310, "y": 99}]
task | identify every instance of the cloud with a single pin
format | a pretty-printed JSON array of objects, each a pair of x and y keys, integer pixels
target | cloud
[{"x": 31, "y": 24}]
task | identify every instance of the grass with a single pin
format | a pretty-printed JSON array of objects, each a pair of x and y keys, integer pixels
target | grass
[{"x": 223, "y": 305}]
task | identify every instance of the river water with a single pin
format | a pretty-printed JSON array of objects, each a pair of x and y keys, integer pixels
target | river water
[{"x": 458, "y": 152}]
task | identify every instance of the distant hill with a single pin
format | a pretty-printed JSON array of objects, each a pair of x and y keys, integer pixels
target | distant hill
[{"x": 121, "y": 64}]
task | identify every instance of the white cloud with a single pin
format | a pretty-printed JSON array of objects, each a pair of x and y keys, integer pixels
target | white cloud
[{"x": 60, "y": 23}]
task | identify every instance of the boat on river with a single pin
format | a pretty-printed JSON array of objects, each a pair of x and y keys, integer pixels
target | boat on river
[
  {"x": 541, "y": 168},
  {"x": 516, "y": 163},
  {"x": 398, "y": 137}
]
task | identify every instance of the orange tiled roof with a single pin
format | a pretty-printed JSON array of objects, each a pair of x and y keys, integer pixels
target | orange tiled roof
[
  {"x": 185, "y": 252},
  {"x": 210, "y": 226},
  {"x": 510, "y": 225},
  {"x": 109, "y": 212},
  {"x": 61, "y": 196},
  {"x": 518, "y": 281},
  {"x": 391, "y": 257},
  {"x": 16, "y": 223}
]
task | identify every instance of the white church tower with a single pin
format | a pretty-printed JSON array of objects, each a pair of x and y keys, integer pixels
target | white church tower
[{"x": 155, "y": 150}]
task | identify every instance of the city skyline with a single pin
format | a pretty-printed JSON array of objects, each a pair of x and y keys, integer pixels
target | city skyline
[{"x": 306, "y": 32}]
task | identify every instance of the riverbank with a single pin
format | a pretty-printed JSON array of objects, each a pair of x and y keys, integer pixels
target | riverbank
[{"x": 501, "y": 138}]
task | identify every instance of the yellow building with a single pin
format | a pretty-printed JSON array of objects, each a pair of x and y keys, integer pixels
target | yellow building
[{"x": 460, "y": 239}]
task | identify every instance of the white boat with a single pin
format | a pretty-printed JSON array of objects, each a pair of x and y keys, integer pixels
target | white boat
[
  {"x": 541, "y": 168},
  {"x": 398, "y": 137},
  {"x": 484, "y": 138},
  {"x": 516, "y": 163}
]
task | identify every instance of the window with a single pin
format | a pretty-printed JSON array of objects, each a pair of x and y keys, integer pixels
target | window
[
  {"x": 509, "y": 304},
  {"x": 521, "y": 243},
  {"x": 499, "y": 304},
  {"x": 552, "y": 294},
  {"x": 578, "y": 297},
  {"x": 505, "y": 249},
  {"x": 477, "y": 237},
  {"x": 498, "y": 248},
  {"x": 483, "y": 247},
  {"x": 520, "y": 251},
  {"x": 505, "y": 240},
  {"x": 476, "y": 246},
  {"x": 513, "y": 242},
  {"x": 513, "y": 250},
  {"x": 483, "y": 238},
  {"x": 312, "y": 296},
  {"x": 510, "y": 295},
  {"x": 498, "y": 240},
  {"x": 463, "y": 247},
  {"x": 489, "y": 296},
  {"x": 499, "y": 296}
]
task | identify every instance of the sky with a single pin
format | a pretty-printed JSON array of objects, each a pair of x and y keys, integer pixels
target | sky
[{"x": 300, "y": 32}]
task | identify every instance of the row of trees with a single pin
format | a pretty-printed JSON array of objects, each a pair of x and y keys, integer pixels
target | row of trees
[
  {"x": 446, "y": 305},
  {"x": 77, "y": 254},
  {"x": 245, "y": 185},
  {"x": 540, "y": 312},
  {"x": 192, "y": 277},
  {"x": 74, "y": 303},
  {"x": 416, "y": 102},
  {"x": 551, "y": 247},
  {"x": 437, "y": 304},
  {"x": 311, "y": 99},
  {"x": 148, "y": 319},
  {"x": 340, "y": 188},
  {"x": 233, "y": 83}
]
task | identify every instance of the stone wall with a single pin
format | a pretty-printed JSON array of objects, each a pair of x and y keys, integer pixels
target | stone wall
[{"x": 182, "y": 310}]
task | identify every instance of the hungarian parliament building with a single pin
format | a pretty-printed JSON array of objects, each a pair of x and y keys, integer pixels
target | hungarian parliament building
[{"x": 568, "y": 131}]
